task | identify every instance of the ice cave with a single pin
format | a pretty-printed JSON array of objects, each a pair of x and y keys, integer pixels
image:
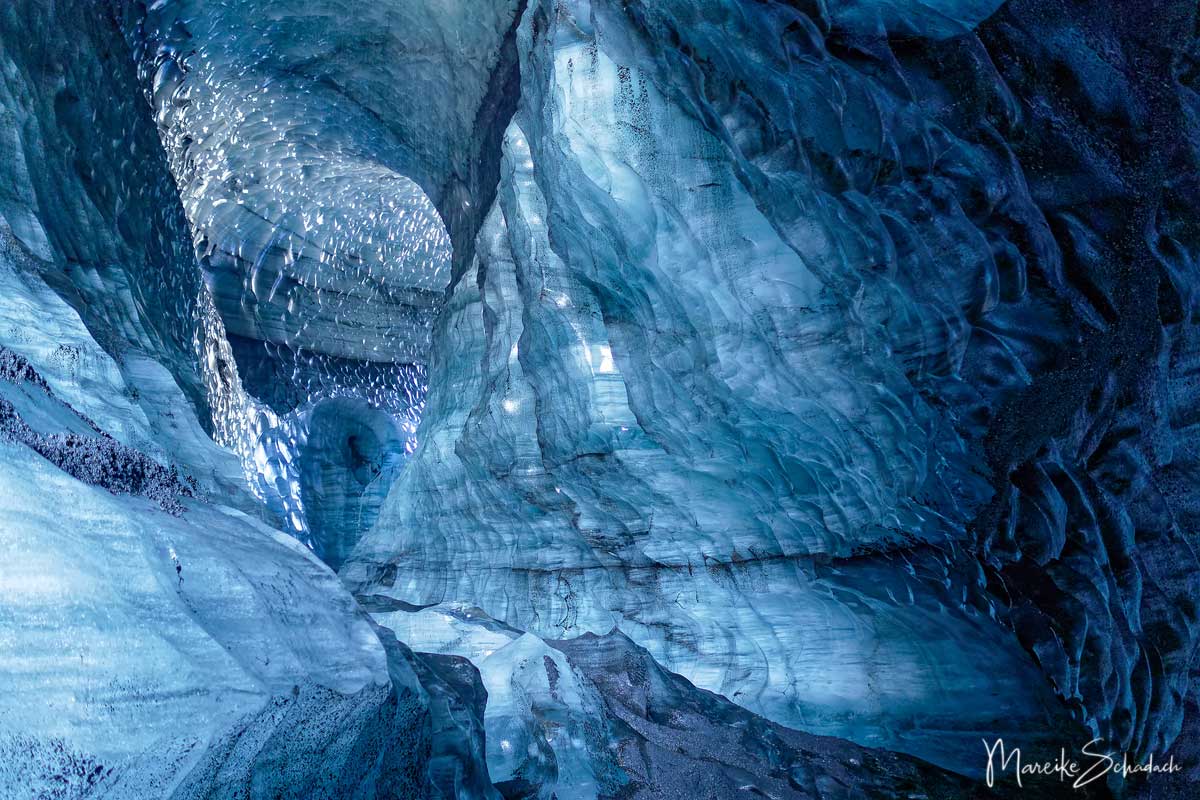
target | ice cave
[{"x": 599, "y": 399}]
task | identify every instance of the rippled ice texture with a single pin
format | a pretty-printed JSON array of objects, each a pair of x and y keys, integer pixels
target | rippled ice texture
[
  {"x": 772, "y": 325},
  {"x": 324, "y": 261},
  {"x": 681, "y": 379}
]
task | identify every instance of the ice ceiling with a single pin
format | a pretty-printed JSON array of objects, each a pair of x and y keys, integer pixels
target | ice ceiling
[
  {"x": 324, "y": 261},
  {"x": 593, "y": 398}
]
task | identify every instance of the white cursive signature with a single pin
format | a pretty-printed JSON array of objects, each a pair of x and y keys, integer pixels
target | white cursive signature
[{"x": 1000, "y": 759}]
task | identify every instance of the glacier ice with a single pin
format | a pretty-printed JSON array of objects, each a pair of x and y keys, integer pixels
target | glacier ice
[
  {"x": 933, "y": 19},
  {"x": 674, "y": 463},
  {"x": 250, "y": 670},
  {"x": 595, "y": 717},
  {"x": 754, "y": 322},
  {"x": 593, "y": 398}
]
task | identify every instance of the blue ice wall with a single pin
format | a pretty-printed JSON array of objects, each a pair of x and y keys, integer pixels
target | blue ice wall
[
  {"x": 692, "y": 396},
  {"x": 819, "y": 361},
  {"x": 159, "y": 639}
]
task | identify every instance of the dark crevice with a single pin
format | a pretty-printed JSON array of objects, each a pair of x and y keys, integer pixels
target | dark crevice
[{"x": 465, "y": 201}]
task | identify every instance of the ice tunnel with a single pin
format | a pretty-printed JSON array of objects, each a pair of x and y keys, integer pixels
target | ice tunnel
[
  {"x": 324, "y": 261},
  {"x": 589, "y": 399}
]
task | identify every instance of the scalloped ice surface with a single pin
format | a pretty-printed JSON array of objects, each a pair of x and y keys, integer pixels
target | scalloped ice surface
[
  {"x": 685, "y": 366},
  {"x": 324, "y": 260},
  {"x": 712, "y": 442},
  {"x": 805, "y": 358}
]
